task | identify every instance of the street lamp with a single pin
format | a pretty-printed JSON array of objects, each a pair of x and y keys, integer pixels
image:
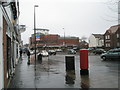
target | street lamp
[
  {"x": 64, "y": 43},
  {"x": 35, "y": 33}
]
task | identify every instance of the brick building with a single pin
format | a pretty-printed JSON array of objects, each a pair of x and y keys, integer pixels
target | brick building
[
  {"x": 112, "y": 37},
  {"x": 68, "y": 41},
  {"x": 10, "y": 40},
  {"x": 52, "y": 40}
]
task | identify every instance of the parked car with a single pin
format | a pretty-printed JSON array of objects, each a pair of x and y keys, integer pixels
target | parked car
[
  {"x": 51, "y": 52},
  {"x": 33, "y": 52},
  {"x": 44, "y": 53},
  {"x": 71, "y": 51},
  {"x": 91, "y": 49},
  {"x": 58, "y": 50},
  {"x": 111, "y": 54},
  {"x": 99, "y": 51}
]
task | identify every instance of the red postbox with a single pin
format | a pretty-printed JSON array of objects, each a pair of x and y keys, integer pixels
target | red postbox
[{"x": 84, "y": 61}]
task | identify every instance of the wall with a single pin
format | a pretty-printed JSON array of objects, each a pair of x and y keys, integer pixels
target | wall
[
  {"x": 53, "y": 39},
  {"x": 68, "y": 41},
  {"x": 1, "y": 52},
  {"x": 6, "y": 39},
  {"x": 92, "y": 41}
]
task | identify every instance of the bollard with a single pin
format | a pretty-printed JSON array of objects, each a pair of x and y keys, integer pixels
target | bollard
[
  {"x": 70, "y": 63},
  {"x": 84, "y": 62}
]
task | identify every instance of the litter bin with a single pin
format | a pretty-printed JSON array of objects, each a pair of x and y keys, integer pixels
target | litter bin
[{"x": 70, "y": 63}]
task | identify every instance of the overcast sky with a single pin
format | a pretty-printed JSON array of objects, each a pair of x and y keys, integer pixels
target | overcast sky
[{"x": 77, "y": 17}]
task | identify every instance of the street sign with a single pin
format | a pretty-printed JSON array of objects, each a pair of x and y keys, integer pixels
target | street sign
[{"x": 37, "y": 35}]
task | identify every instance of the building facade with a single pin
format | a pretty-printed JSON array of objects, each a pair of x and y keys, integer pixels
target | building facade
[
  {"x": 118, "y": 38},
  {"x": 52, "y": 40},
  {"x": 68, "y": 41},
  {"x": 112, "y": 37},
  {"x": 41, "y": 31},
  {"x": 96, "y": 40},
  {"x": 10, "y": 39},
  {"x": 1, "y": 52}
]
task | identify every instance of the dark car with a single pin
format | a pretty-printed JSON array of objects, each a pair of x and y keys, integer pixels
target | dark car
[
  {"x": 51, "y": 52},
  {"x": 71, "y": 51},
  {"x": 111, "y": 54},
  {"x": 99, "y": 51}
]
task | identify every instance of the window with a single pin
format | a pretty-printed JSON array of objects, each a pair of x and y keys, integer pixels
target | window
[
  {"x": 107, "y": 44},
  {"x": 107, "y": 37},
  {"x": 118, "y": 44},
  {"x": 118, "y": 35}
]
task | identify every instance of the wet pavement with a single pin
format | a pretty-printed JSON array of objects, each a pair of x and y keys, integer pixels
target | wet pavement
[{"x": 51, "y": 73}]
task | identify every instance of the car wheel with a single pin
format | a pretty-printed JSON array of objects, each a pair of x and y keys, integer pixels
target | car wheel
[{"x": 104, "y": 58}]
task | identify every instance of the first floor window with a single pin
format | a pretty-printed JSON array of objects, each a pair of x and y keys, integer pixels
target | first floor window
[
  {"x": 118, "y": 35},
  {"x": 118, "y": 44},
  {"x": 107, "y": 44}
]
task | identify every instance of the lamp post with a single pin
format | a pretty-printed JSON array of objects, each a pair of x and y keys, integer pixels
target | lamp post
[
  {"x": 64, "y": 43},
  {"x": 35, "y": 33}
]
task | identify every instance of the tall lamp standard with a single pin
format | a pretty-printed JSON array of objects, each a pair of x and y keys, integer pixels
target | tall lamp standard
[
  {"x": 35, "y": 33},
  {"x": 64, "y": 43},
  {"x": 64, "y": 37}
]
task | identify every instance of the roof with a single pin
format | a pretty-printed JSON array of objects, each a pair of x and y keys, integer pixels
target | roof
[
  {"x": 113, "y": 29},
  {"x": 41, "y": 29},
  {"x": 68, "y": 37},
  {"x": 98, "y": 36}
]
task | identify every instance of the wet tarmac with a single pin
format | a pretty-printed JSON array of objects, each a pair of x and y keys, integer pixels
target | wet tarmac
[{"x": 51, "y": 73}]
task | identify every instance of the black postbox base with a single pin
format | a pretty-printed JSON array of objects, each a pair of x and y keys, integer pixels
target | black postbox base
[{"x": 84, "y": 72}]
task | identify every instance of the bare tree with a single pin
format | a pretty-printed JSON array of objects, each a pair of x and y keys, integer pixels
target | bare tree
[
  {"x": 114, "y": 6},
  {"x": 119, "y": 12}
]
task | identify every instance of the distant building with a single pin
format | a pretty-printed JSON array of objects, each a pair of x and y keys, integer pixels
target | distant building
[
  {"x": 83, "y": 44},
  {"x": 44, "y": 40},
  {"x": 112, "y": 37},
  {"x": 52, "y": 40},
  {"x": 68, "y": 41},
  {"x": 42, "y": 31},
  {"x": 96, "y": 40}
]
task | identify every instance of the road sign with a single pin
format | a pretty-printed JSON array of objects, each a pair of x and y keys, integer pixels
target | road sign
[{"x": 37, "y": 35}]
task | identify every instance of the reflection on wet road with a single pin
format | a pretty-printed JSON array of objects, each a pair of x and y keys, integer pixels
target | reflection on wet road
[{"x": 51, "y": 73}]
